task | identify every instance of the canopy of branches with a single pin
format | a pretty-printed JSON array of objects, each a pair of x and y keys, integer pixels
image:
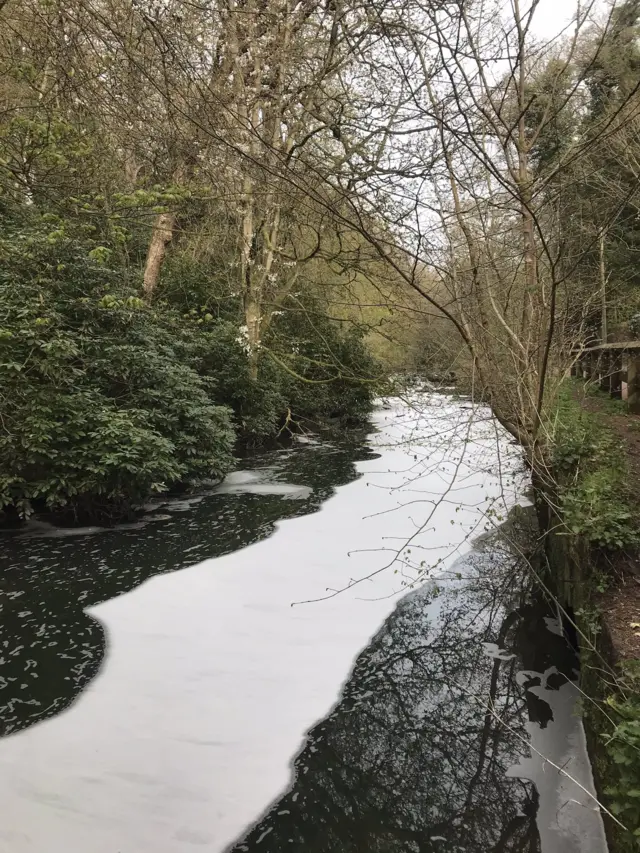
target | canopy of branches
[{"x": 229, "y": 205}]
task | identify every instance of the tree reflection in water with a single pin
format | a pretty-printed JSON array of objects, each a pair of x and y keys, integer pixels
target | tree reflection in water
[{"x": 414, "y": 756}]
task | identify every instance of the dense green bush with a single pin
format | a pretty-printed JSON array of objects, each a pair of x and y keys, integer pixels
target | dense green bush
[{"x": 102, "y": 400}]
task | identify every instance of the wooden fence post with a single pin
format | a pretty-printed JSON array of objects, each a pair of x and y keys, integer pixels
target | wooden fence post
[
  {"x": 615, "y": 380},
  {"x": 633, "y": 382}
]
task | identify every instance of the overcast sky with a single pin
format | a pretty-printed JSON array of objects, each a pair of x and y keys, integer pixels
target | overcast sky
[{"x": 552, "y": 15}]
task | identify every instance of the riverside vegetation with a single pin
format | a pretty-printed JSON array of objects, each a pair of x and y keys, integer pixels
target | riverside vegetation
[
  {"x": 596, "y": 516},
  {"x": 108, "y": 399}
]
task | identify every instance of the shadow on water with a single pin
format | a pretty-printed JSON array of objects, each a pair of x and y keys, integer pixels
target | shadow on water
[
  {"x": 416, "y": 753},
  {"x": 50, "y": 648}
]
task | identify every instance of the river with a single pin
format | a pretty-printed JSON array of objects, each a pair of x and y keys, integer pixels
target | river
[{"x": 338, "y": 649}]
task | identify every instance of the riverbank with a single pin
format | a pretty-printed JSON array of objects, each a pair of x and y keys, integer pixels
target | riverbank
[
  {"x": 619, "y": 598},
  {"x": 593, "y": 552}
]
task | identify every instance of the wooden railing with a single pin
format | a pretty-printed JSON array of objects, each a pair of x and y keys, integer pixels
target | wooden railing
[{"x": 615, "y": 367}]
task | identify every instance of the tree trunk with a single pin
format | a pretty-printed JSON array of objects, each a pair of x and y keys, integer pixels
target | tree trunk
[
  {"x": 604, "y": 332},
  {"x": 161, "y": 237},
  {"x": 253, "y": 321},
  {"x": 250, "y": 287}
]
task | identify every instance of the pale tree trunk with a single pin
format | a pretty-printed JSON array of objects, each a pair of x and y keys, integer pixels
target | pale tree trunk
[
  {"x": 255, "y": 277},
  {"x": 256, "y": 44},
  {"x": 162, "y": 235},
  {"x": 249, "y": 283},
  {"x": 253, "y": 321},
  {"x": 260, "y": 134},
  {"x": 604, "y": 333},
  {"x": 240, "y": 32}
]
